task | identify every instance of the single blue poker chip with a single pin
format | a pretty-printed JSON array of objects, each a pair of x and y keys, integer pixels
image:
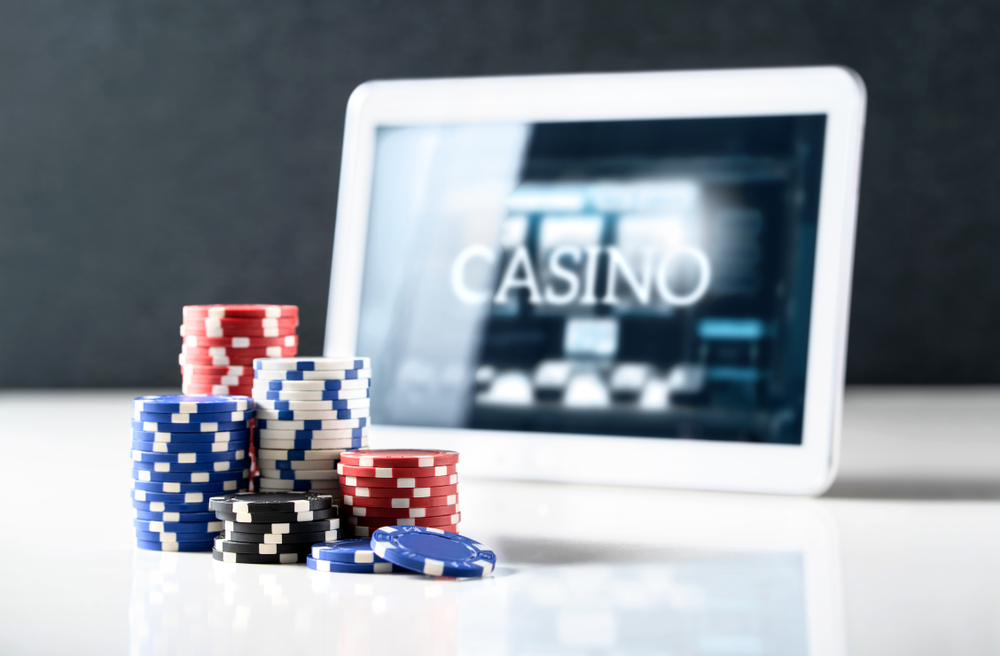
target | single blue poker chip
[
  {"x": 187, "y": 438},
  {"x": 192, "y": 404},
  {"x": 346, "y": 551},
  {"x": 188, "y": 477},
  {"x": 311, "y": 364},
  {"x": 159, "y": 507},
  {"x": 147, "y": 456},
  {"x": 324, "y": 474},
  {"x": 182, "y": 498},
  {"x": 149, "y": 536},
  {"x": 148, "y": 545},
  {"x": 311, "y": 415},
  {"x": 211, "y": 526},
  {"x": 345, "y": 374},
  {"x": 293, "y": 465},
  {"x": 300, "y": 454},
  {"x": 310, "y": 435},
  {"x": 353, "y": 568},
  {"x": 432, "y": 551},
  {"x": 190, "y": 447},
  {"x": 320, "y": 487},
  {"x": 192, "y": 467},
  {"x": 312, "y": 424},
  {"x": 197, "y": 418},
  {"x": 183, "y": 517},
  {"x": 324, "y": 395},
  {"x": 307, "y": 445},
  {"x": 314, "y": 385},
  {"x": 184, "y": 488},
  {"x": 203, "y": 427},
  {"x": 329, "y": 404}
]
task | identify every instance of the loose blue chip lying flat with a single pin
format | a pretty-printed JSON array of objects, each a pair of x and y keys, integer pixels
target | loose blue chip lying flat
[
  {"x": 147, "y": 456},
  {"x": 160, "y": 507},
  {"x": 178, "y": 527},
  {"x": 185, "y": 467},
  {"x": 190, "y": 447},
  {"x": 346, "y": 551},
  {"x": 183, "y": 517},
  {"x": 188, "y": 477},
  {"x": 313, "y": 385},
  {"x": 352, "y": 568},
  {"x": 187, "y": 438},
  {"x": 311, "y": 364},
  {"x": 432, "y": 551},
  {"x": 192, "y": 404},
  {"x": 198, "y": 418},
  {"x": 148, "y": 545},
  {"x": 311, "y": 415},
  {"x": 203, "y": 427},
  {"x": 313, "y": 424},
  {"x": 183, "y": 488}
]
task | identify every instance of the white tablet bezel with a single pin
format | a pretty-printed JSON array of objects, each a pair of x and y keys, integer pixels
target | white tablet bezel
[{"x": 684, "y": 463}]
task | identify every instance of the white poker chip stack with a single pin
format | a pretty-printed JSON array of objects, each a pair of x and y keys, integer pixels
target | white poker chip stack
[{"x": 309, "y": 410}]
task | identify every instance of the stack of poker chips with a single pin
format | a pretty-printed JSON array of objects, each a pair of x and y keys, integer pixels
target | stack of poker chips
[
  {"x": 186, "y": 449},
  {"x": 272, "y": 528},
  {"x": 309, "y": 411},
  {"x": 222, "y": 341},
  {"x": 394, "y": 487}
]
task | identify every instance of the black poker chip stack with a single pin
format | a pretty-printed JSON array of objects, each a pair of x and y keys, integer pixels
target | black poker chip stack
[{"x": 272, "y": 528}]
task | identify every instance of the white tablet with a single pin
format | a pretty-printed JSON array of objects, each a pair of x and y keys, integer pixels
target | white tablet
[{"x": 634, "y": 278}]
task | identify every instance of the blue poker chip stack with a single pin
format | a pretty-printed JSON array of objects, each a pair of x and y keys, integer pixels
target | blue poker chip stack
[
  {"x": 186, "y": 449},
  {"x": 309, "y": 411}
]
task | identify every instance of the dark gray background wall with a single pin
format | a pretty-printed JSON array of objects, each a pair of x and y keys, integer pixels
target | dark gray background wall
[{"x": 154, "y": 154}]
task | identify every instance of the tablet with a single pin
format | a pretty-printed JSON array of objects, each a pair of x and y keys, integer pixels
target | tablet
[{"x": 637, "y": 279}]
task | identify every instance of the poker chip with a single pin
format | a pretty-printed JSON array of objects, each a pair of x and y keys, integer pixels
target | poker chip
[
  {"x": 174, "y": 546},
  {"x": 350, "y": 501},
  {"x": 237, "y": 331},
  {"x": 191, "y": 404},
  {"x": 183, "y": 508},
  {"x": 411, "y": 513},
  {"x": 313, "y": 364},
  {"x": 214, "y": 373},
  {"x": 241, "y": 342},
  {"x": 302, "y": 445},
  {"x": 295, "y": 464},
  {"x": 314, "y": 526},
  {"x": 311, "y": 385},
  {"x": 230, "y": 352},
  {"x": 189, "y": 360},
  {"x": 149, "y": 536},
  {"x": 189, "y": 477},
  {"x": 354, "y": 551},
  {"x": 277, "y": 517},
  {"x": 442, "y": 520},
  {"x": 189, "y": 447},
  {"x": 196, "y": 418},
  {"x": 173, "y": 487},
  {"x": 221, "y": 437},
  {"x": 215, "y": 389},
  {"x": 170, "y": 498},
  {"x": 228, "y": 546},
  {"x": 315, "y": 424},
  {"x": 398, "y": 493},
  {"x": 240, "y": 322},
  {"x": 330, "y": 404},
  {"x": 188, "y": 456},
  {"x": 203, "y": 427},
  {"x": 190, "y": 377},
  {"x": 325, "y": 395},
  {"x": 258, "y": 559},
  {"x": 400, "y": 458},
  {"x": 178, "y": 527},
  {"x": 251, "y": 503},
  {"x": 367, "y": 531},
  {"x": 175, "y": 517},
  {"x": 326, "y": 375},
  {"x": 184, "y": 467},
  {"x": 301, "y": 485},
  {"x": 352, "y": 568},
  {"x": 299, "y": 454},
  {"x": 409, "y": 482},
  {"x": 318, "y": 435},
  {"x": 432, "y": 551},
  {"x": 254, "y": 311},
  {"x": 302, "y": 415},
  {"x": 280, "y": 538},
  {"x": 397, "y": 472},
  {"x": 300, "y": 474}
]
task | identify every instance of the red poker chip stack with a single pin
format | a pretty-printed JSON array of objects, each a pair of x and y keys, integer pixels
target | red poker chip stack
[
  {"x": 397, "y": 487},
  {"x": 221, "y": 342}
]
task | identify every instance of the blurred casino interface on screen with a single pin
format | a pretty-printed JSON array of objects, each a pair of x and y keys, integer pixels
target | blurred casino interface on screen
[{"x": 644, "y": 278}]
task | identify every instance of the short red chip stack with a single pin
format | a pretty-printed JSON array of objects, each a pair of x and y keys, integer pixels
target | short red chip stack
[
  {"x": 395, "y": 487},
  {"x": 221, "y": 342}
]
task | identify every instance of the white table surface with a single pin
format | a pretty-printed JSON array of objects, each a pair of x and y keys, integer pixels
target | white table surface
[{"x": 902, "y": 557}]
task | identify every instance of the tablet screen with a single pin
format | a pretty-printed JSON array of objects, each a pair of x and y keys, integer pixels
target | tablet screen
[{"x": 647, "y": 278}]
